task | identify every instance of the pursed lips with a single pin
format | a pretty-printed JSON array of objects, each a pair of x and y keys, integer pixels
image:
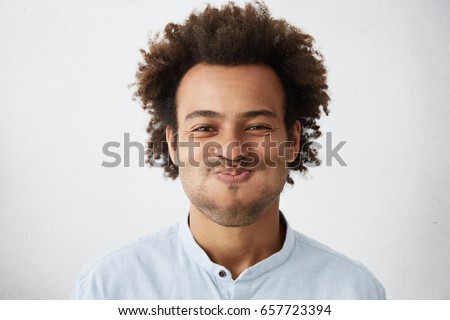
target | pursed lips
[{"x": 233, "y": 175}]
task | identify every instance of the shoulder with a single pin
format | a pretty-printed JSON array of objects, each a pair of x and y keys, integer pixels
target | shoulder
[
  {"x": 348, "y": 276},
  {"x": 144, "y": 247},
  {"x": 133, "y": 259}
]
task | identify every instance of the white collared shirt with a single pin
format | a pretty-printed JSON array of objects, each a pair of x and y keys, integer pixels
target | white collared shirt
[{"x": 171, "y": 265}]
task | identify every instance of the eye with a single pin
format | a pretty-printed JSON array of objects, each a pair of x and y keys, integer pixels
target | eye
[
  {"x": 203, "y": 129},
  {"x": 259, "y": 127}
]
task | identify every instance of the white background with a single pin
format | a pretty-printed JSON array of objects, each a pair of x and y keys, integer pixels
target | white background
[{"x": 64, "y": 71}]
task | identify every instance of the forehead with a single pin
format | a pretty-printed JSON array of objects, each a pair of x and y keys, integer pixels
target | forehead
[{"x": 229, "y": 89}]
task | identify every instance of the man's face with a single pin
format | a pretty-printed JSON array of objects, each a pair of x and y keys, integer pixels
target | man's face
[{"x": 232, "y": 144}]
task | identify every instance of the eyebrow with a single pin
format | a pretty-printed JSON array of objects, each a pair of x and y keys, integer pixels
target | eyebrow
[
  {"x": 257, "y": 113},
  {"x": 203, "y": 114},
  {"x": 216, "y": 115}
]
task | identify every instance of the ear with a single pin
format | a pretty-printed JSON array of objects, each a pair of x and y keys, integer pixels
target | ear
[
  {"x": 294, "y": 136},
  {"x": 171, "y": 142}
]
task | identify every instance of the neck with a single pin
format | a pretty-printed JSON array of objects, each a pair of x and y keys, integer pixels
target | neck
[{"x": 238, "y": 248}]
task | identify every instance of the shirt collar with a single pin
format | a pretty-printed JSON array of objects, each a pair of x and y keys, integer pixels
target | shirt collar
[{"x": 199, "y": 256}]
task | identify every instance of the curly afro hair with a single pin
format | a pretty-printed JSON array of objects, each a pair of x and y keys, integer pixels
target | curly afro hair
[{"x": 232, "y": 35}]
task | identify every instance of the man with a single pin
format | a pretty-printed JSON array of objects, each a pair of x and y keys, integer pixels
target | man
[{"x": 234, "y": 96}]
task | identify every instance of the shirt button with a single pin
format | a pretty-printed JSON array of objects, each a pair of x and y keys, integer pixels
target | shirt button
[{"x": 222, "y": 273}]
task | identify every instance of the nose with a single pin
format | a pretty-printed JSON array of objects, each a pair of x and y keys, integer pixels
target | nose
[
  {"x": 233, "y": 151},
  {"x": 232, "y": 146}
]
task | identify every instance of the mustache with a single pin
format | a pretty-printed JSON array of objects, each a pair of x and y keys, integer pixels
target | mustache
[{"x": 244, "y": 162}]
